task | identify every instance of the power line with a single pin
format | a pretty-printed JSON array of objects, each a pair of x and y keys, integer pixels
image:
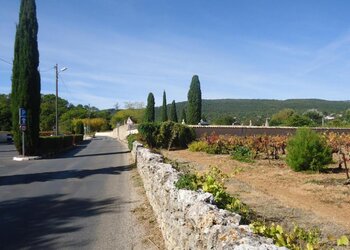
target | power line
[
  {"x": 3, "y": 60},
  {"x": 43, "y": 71}
]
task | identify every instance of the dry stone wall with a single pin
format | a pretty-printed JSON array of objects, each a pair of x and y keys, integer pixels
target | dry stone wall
[{"x": 188, "y": 219}]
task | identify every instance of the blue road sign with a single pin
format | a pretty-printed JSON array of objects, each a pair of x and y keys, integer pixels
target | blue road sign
[
  {"x": 23, "y": 121},
  {"x": 23, "y": 112}
]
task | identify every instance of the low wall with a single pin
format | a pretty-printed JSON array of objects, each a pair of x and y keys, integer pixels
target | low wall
[
  {"x": 255, "y": 130},
  {"x": 188, "y": 219}
]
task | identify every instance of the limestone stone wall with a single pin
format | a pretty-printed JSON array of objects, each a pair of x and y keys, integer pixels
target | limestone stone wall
[{"x": 188, "y": 219}]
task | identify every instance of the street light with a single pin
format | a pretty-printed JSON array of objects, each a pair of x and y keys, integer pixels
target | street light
[{"x": 57, "y": 72}]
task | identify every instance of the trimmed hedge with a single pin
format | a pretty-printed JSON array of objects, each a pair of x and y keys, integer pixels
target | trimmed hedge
[{"x": 50, "y": 145}]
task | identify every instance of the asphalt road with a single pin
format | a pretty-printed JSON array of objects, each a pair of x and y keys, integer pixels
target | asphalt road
[{"x": 80, "y": 200}]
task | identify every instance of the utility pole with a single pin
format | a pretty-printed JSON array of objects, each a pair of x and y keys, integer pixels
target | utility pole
[{"x": 56, "y": 69}]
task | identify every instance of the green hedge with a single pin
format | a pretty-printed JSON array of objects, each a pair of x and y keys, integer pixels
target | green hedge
[
  {"x": 166, "y": 134},
  {"x": 50, "y": 145}
]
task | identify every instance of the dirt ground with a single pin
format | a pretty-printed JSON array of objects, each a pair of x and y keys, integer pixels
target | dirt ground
[
  {"x": 281, "y": 195},
  {"x": 153, "y": 239}
]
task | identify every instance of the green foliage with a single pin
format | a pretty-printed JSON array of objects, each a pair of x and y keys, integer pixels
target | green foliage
[
  {"x": 307, "y": 150},
  {"x": 198, "y": 146},
  {"x": 48, "y": 111},
  {"x": 166, "y": 134},
  {"x": 149, "y": 132},
  {"x": 121, "y": 116},
  {"x": 281, "y": 117},
  {"x": 258, "y": 110},
  {"x": 26, "y": 78},
  {"x": 188, "y": 181},
  {"x": 343, "y": 241},
  {"x": 242, "y": 153},
  {"x": 194, "y": 110},
  {"x": 131, "y": 138},
  {"x": 297, "y": 239},
  {"x": 297, "y": 120},
  {"x": 54, "y": 144},
  {"x": 314, "y": 115},
  {"x": 213, "y": 182},
  {"x": 79, "y": 127},
  {"x": 164, "y": 109},
  {"x": 173, "y": 112},
  {"x": 5, "y": 113},
  {"x": 224, "y": 120},
  {"x": 149, "y": 113},
  {"x": 175, "y": 135}
]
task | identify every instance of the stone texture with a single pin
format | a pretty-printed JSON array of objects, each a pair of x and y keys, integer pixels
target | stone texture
[{"x": 188, "y": 219}]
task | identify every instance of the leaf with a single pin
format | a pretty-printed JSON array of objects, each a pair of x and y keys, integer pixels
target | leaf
[
  {"x": 343, "y": 241},
  {"x": 309, "y": 246},
  {"x": 279, "y": 229}
]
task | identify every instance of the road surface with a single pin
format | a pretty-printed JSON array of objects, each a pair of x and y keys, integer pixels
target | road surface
[{"x": 80, "y": 200}]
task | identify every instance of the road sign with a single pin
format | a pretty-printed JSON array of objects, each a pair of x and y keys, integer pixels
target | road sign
[
  {"x": 23, "y": 121},
  {"x": 23, "y": 128},
  {"x": 23, "y": 112}
]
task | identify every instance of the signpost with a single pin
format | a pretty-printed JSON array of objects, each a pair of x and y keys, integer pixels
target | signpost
[{"x": 23, "y": 125}]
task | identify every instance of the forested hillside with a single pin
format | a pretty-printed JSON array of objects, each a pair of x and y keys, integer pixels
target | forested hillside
[{"x": 258, "y": 109}]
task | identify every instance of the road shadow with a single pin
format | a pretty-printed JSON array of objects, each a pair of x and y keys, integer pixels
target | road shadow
[
  {"x": 60, "y": 175},
  {"x": 39, "y": 222},
  {"x": 70, "y": 152},
  {"x": 98, "y": 154}
]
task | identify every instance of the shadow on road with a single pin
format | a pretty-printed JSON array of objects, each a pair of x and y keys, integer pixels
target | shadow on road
[
  {"x": 37, "y": 222},
  {"x": 99, "y": 154},
  {"x": 60, "y": 175}
]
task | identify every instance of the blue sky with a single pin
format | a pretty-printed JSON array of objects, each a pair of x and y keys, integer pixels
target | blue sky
[{"x": 119, "y": 51}]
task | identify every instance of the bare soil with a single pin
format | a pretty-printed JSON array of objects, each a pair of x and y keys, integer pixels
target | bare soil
[
  {"x": 278, "y": 194},
  {"x": 153, "y": 238}
]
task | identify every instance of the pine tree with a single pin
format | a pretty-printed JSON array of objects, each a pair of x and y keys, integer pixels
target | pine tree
[
  {"x": 173, "y": 113},
  {"x": 149, "y": 115},
  {"x": 183, "y": 115},
  {"x": 164, "y": 109},
  {"x": 26, "y": 78},
  {"x": 194, "y": 110}
]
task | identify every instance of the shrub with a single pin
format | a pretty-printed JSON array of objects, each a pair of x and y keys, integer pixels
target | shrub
[
  {"x": 307, "y": 150},
  {"x": 242, "y": 153},
  {"x": 131, "y": 138},
  {"x": 213, "y": 182},
  {"x": 149, "y": 132},
  {"x": 79, "y": 127},
  {"x": 181, "y": 136},
  {"x": 166, "y": 134},
  {"x": 198, "y": 146},
  {"x": 188, "y": 181}
]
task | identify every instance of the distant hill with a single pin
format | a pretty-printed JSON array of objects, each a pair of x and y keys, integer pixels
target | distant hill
[{"x": 258, "y": 109}]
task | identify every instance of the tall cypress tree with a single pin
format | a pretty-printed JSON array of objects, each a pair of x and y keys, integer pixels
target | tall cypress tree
[
  {"x": 26, "y": 78},
  {"x": 173, "y": 113},
  {"x": 183, "y": 115},
  {"x": 194, "y": 109},
  {"x": 164, "y": 109},
  {"x": 149, "y": 115}
]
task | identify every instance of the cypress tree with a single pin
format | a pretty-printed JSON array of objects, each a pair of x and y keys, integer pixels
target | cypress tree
[
  {"x": 173, "y": 113},
  {"x": 183, "y": 115},
  {"x": 194, "y": 110},
  {"x": 149, "y": 115},
  {"x": 26, "y": 78},
  {"x": 164, "y": 109}
]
